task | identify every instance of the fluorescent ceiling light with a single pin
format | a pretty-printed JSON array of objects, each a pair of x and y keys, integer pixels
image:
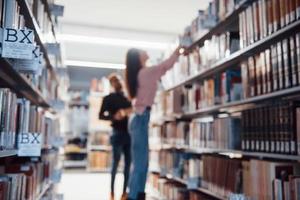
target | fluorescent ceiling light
[
  {"x": 78, "y": 63},
  {"x": 113, "y": 41}
]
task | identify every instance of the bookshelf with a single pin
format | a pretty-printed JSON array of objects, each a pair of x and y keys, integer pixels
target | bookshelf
[
  {"x": 7, "y": 153},
  {"x": 221, "y": 26},
  {"x": 26, "y": 93},
  {"x": 185, "y": 183},
  {"x": 44, "y": 190},
  {"x": 12, "y": 79},
  {"x": 214, "y": 125},
  {"x": 32, "y": 23},
  {"x": 241, "y": 54},
  {"x": 222, "y": 108}
]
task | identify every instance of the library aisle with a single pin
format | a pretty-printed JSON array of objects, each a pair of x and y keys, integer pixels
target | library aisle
[{"x": 150, "y": 100}]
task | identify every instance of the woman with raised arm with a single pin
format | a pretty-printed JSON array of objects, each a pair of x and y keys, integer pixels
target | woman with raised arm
[{"x": 141, "y": 82}]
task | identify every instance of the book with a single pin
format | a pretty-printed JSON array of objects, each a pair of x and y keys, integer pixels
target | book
[
  {"x": 275, "y": 68},
  {"x": 271, "y": 128},
  {"x": 280, "y": 66}
]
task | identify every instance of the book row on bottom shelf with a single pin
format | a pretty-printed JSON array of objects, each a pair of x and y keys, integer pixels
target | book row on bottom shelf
[
  {"x": 181, "y": 173},
  {"x": 29, "y": 178}
]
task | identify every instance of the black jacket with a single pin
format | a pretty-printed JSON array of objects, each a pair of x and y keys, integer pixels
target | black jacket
[{"x": 110, "y": 105}]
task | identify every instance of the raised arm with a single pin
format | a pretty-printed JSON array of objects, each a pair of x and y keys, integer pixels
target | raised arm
[{"x": 159, "y": 70}]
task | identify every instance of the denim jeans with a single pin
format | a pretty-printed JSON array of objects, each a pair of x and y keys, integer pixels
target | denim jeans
[
  {"x": 138, "y": 129},
  {"x": 120, "y": 141}
]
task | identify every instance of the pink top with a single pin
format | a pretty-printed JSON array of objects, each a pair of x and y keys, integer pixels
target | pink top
[{"x": 147, "y": 83}]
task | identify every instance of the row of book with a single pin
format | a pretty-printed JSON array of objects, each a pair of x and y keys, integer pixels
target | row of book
[
  {"x": 38, "y": 8},
  {"x": 265, "y": 17},
  {"x": 216, "y": 133},
  {"x": 267, "y": 128},
  {"x": 203, "y": 58},
  {"x": 25, "y": 180},
  {"x": 205, "y": 132},
  {"x": 273, "y": 69},
  {"x": 19, "y": 116},
  {"x": 167, "y": 189},
  {"x": 252, "y": 179},
  {"x": 217, "y": 11},
  {"x": 271, "y": 180},
  {"x": 222, "y": 88},
  {"x": 272, "y": 128}
]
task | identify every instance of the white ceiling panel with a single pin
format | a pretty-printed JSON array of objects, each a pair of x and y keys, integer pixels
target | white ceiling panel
[{"x": 168, "y": 16}]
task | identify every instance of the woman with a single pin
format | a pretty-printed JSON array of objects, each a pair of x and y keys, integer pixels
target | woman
[
  {"x": 141, "y": 83},
  {"x": 112, "y": 109}
]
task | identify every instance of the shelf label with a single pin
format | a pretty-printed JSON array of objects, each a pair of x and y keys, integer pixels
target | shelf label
[
  {"x": 32, "y": 65},
  {"x": 17, "y": 44},
  {"x": 53, "y": 48},
  {"x": 193, "y": 183},
  {"x": 30, "y": 144},
  {"x": 57, "y": 10}
]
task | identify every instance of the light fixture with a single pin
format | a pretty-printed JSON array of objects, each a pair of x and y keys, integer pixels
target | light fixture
[
  {"x": 113, "y": 41},
  {"x": 78, "y": 63}
]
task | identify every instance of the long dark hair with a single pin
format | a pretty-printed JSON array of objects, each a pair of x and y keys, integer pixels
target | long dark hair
[{"x": 133, "y": 66}]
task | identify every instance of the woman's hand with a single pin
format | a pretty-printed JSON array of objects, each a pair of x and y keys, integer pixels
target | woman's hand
[
  {"x": 122, "y": 113},
  {"x": 119, "y": 115},
  {"x": 180, "y": 50}
]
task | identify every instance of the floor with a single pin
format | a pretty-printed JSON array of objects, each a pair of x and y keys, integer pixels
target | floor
[{"x": 81, "y": 185}]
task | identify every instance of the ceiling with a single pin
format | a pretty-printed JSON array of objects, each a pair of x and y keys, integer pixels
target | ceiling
[{"x": 154, "y": 21}]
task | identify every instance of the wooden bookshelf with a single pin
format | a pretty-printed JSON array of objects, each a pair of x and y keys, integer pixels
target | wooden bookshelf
[
  {"x": 229, "y": 152},
  {"x": 7, "y": 153},
  {"x": 44, "y": 190},
  {"x": 243, "y": 103},
  {"x": 241, "y": 54},
  {"x": 14, "y": 80},
  {"x": 209, "y": 193},
  {"x": 48, "y": 11},
  {"x": 32, "y": 23},
  {"x": 202, "y": 190},
  {"x": 223, "y": 25}
]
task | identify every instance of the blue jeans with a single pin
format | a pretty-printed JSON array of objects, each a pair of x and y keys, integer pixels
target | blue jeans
[
  {"x": 120, "y": 141},
  {"x": 138, "y": 128}
]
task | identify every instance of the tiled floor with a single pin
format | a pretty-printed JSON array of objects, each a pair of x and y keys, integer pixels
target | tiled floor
[
  {"x": 88, "y": 186},
  {"x": 80, "y": 185}
]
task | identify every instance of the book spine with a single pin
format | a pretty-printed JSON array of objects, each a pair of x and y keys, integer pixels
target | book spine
[
  {"x": 280, "y": 66},
  {"x": 292, "y": 6},
  {"x": 293, "y": 61},
  {"x": 267, "y": 129},
  {"x": 268, "y": 70},
  {"x": 245, "y": 79},
  {"x": 261, "y": 19},
  {"x": 287, "y": 63},
  {"x": 252, "y": 76},
  {"x": 297, "y": 128},
  {"x": 298, "y": 9},
  {"x": 287, "y": 11},
  {"x": 282, "y": 13},
  {"x": 256, "y": 21},
  {"x": 270, "y": 16},
  {"x": 276, "y": 17},
  {"x": 263, "y": 72},
  {"x": 298, "y": 55},
  {"x": 274, "y": 68}
]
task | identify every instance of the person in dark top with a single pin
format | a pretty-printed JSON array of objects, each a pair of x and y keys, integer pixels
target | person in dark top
[{"x": 114, "y": 108}]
